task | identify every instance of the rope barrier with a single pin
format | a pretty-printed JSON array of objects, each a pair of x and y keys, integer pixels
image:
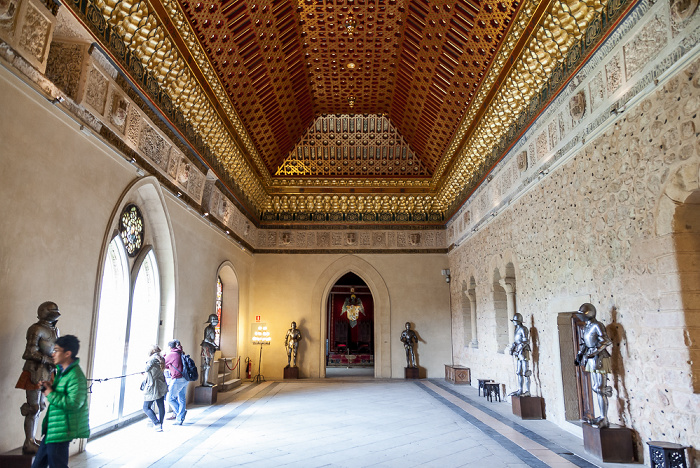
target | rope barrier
[
  {"x": 238, "y": 361},
  {"x": 110, "y": 378}
]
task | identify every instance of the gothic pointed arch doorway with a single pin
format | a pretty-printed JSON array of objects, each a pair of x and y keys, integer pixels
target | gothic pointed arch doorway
[{"x": 350, "y": 327}]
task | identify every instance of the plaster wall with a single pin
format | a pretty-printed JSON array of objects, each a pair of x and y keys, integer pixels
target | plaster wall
[
  {"x": 409, "y": 288},
  {"x": 603, "y": 228},
  {"x": 59, "y": 192}
]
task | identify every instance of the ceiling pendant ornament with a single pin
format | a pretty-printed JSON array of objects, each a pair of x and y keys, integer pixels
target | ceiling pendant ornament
[{"x": 350, "y": 145}]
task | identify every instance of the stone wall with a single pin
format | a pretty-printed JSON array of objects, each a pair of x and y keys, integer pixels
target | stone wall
[{"x": 603, "y": 227}]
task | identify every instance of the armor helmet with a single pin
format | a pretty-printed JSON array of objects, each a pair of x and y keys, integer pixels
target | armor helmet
[
  {"x": 586, "y": 311},
  {"x": 517, "y": 318},
  {"x": 212, "y": 318},
  {"x": 48, "y": 311}
]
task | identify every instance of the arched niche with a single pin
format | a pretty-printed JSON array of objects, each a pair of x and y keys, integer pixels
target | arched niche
[
  {"x": 382, "y": 309},
  {"x": 229, "y": 309},
  {"x": 678, "y": 217}
]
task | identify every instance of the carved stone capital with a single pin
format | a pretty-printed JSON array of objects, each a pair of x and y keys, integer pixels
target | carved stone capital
[{"x": 508, "y": 284}]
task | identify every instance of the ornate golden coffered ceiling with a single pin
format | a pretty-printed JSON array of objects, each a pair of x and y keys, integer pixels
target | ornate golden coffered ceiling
[{"x": 415, "y": 100}]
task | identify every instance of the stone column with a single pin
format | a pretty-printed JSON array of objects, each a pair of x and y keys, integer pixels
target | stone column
[
  {"x": 472, "y": 305},
  {"x": 509, "y": 285}
]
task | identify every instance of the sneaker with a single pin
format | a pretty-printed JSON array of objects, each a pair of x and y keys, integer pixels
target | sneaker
[
  {"x": 178, "y": 423},
  {"x": 158, "y": 428},
  {"x": 170, "y": 418}
]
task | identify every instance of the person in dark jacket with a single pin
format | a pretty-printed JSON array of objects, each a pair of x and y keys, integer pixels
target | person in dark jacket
[
  {"x": 177, "y": 392},
  {"x": 155, "y": 388},
  {"x": 67, "y": 416}
]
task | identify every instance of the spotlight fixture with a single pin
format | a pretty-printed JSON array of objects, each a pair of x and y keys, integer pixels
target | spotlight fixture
[
  {"x": 179, "y": 194},
  {"x": 446, "y": 274},
  {"x": 57, "y": 100},
  {"x": 206, "y": 213}
]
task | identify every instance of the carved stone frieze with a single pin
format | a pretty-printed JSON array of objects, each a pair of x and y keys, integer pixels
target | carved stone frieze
[
  {"x": 681, "y": 12},
  {"x": 66, "y": 66},
  {"x": 522, "y": 163},
  {"x": 118, "y": 111},
  {"x": 323, "y": 239},
  {"x": 645, "y": 45},
  {"x": 577, "y": 106},
  {"x": 365, "y": 239},
  {"x": 96, "y": 88},
  {"x": 8, "y": 14},
  {"x": 596, "y": 87},
  {"x": 613, "y": 74},
  {"x": 542, "y": 144},
  {"x": 133, "y": 129},
  {"x": 195, "y": 186},
  {"x": 33, "y": 33},
  {"x": 154, "y": 147}
]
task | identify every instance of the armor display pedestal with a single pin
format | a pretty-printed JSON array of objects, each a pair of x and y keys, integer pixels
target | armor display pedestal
[
  {"x": 16, "y": 459},
  {"x": 528, "y": 407},
  {"x": 411, "y": 373},
  {"x": 205, "y": 395},
  {"x": 612, "y": 444},
  {"x": 458, "y": 374},
  {"x": 291, "y": 373}
]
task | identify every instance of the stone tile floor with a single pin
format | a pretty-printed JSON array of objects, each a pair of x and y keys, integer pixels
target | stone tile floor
[{"x": 344, "y": 422}]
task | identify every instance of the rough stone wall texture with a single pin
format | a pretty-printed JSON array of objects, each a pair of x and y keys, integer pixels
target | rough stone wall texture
[{"x": 602, "y": 227}]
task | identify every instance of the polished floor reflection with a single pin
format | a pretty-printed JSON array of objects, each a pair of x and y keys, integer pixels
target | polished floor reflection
[{"x": 344, "y": 422}]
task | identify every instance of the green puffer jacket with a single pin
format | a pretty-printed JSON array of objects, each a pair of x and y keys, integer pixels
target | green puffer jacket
[{"x": 67, "y": 416}]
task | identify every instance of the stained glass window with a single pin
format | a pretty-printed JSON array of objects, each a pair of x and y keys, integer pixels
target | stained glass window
[
  {"x": 131, "y": 229},
  {"x": 219, "y": 301}
]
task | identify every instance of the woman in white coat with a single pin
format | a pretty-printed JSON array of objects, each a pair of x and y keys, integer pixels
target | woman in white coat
[{"x": 155, "y": 388}]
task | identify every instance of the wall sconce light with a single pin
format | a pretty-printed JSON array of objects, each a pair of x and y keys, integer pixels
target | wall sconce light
[
  {"x": 261, "y": 337},
  {"x": 446, "y": 274}
]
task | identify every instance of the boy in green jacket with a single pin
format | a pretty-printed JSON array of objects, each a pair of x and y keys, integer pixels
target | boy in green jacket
[{"x": 67, "y": 416}]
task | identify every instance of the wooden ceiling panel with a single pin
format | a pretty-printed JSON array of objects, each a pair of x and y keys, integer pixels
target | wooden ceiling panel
[{"x": 284, "y": 64}]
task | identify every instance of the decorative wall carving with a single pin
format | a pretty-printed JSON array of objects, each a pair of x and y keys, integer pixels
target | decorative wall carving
[
  {"x": 8, "y": 13},
  {"x": 65, "y": 66},
  {"x": 96, "y": 90},
  {"x": 577, "y": 106},
  {"x": 33, "y": 32},
  {"x": 596, "y": 87},
  {"x": 522, "y": 163},
  {"x": 155, "y": 148},
  {"x": 645, "y": 45},
  {"x": 118, "y": 111},
  {"x": 613, "y": 74}
]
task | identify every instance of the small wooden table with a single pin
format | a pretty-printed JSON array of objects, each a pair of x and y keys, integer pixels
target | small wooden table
[
  {"x": 492, "y": 389},
  {"x": 482, "y": 382}
]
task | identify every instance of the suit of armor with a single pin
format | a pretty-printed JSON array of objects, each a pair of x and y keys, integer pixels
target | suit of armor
[
  {"x": 291, "y": 342},
  {"x": 520, "y": 348},
  {"x": 209, "y": 347},
  {"x": 594, "y": 357},
  {"x": 38, "y": 367},
  {"x": 408, "y": 337}
]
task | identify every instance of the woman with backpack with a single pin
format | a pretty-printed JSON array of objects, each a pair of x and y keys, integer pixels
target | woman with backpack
[{"x": 177, "y": 392}]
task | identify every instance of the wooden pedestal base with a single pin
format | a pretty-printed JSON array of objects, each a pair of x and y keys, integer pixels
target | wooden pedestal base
[
  {"x": 205, "y": 395},
  {"x": 611, "y": 444},
  {"x": 528, "y": 407},
  {"x": 16, "y": 459},
  {"x": 291, "y": 373},
  {"x": 458, "y": 374},
  {"x": 411, "y": 373}
]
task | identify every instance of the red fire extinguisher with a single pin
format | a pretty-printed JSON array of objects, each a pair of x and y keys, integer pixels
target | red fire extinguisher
[{"x": 248, "y": 368}]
